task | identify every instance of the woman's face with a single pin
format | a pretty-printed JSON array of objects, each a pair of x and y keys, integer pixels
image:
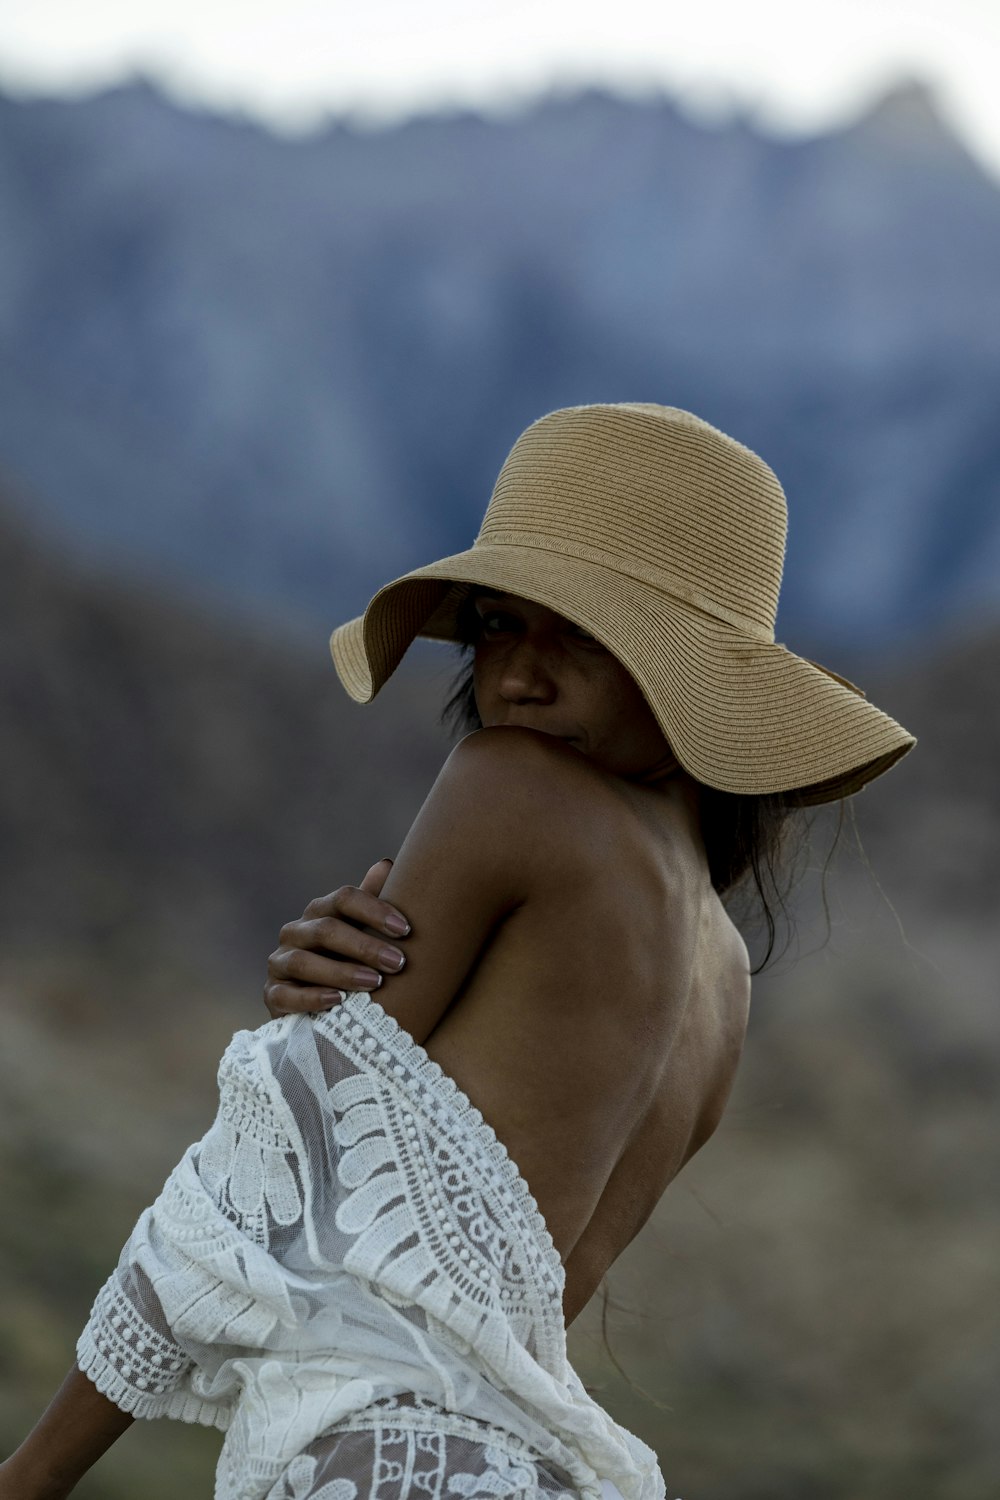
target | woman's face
[{"x": 536, "y": 669}]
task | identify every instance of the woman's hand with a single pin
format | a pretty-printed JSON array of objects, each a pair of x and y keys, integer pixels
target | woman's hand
[{"x": 330, "y": 950}]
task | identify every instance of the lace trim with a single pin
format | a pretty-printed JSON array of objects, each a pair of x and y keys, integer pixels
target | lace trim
[
  {"x": 430, "y": 1102},
  {"x": 513, "y": 1462},
  {"x": 135, "y": 1366},
  {"x": 408, "y": 1411},
  {"x": 360, "y": 1005},
  {"x": 404, "y": 1462}
]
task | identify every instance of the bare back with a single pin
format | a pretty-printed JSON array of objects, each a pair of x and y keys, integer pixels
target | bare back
[{"x": 600, "y": 1030}]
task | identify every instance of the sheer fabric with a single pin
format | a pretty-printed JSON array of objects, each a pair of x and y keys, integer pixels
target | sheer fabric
[
  {"x": 396, "y": 1457},
  {"x": 351, "y": 1253}
]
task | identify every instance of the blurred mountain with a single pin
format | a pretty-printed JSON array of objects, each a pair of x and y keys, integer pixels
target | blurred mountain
[{"x": 283, "y": 371}]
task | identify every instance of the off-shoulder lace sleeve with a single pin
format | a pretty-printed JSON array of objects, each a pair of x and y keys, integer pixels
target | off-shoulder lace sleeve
[
  {"x": 197, "y": 1280},
  {"x": 350, "y": 1229}
]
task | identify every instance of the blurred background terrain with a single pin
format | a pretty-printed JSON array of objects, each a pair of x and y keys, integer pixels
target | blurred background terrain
[{"x": 245, "y": 380}]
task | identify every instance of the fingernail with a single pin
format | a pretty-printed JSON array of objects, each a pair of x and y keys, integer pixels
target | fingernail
[
  {"x": 366, "y": 977},
  {"x": 398, "y": 926},
  {"x": 391, "y": 957}
]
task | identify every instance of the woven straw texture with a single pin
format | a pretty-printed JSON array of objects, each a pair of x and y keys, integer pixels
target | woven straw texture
[{"x": 664, "y": 538}]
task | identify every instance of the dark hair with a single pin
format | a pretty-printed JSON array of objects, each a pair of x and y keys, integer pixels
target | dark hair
[{"x": 755, "y": 844}]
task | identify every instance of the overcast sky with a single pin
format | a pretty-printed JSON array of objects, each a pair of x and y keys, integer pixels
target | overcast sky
[{"x": 793, "y": 65}]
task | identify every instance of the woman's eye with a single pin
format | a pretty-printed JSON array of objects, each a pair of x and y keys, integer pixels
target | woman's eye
[
  {"x": 493, "y": 614},
  {"x": 497, "y": 620}
]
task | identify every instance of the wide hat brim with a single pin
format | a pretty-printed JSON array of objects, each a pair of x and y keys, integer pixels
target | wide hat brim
[{"x": 741, "y": 713}]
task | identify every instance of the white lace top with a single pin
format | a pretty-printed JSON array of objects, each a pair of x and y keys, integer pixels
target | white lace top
[{"x": 348, "y": 1229}]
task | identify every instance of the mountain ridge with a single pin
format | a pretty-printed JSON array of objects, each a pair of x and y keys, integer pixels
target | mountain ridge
[{"x": 288, "y": 370}]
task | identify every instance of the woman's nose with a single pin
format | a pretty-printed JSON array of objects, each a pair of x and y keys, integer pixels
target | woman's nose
[{"x": 525, "y": 675}]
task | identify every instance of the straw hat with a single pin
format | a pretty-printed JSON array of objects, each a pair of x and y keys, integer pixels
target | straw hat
[{"x": 664, "y": 539}]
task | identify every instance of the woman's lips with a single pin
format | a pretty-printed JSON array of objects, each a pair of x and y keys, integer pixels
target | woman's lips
[{"x": 552, "y": 733}]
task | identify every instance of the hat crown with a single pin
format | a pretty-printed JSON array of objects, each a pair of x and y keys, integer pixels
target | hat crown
[{"x": 652, "y": 491}]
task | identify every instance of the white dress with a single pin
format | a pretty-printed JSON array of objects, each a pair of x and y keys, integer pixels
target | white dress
[{"x": 350, "y": 1277}]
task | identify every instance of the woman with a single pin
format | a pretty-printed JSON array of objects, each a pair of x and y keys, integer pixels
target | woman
[{"x": 364, "y": 1271}]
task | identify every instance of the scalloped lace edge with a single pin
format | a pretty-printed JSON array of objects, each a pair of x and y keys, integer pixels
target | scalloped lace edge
[{"x": 181, "y": 1406}]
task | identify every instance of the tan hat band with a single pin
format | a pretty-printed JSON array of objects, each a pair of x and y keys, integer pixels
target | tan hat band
[{"x": 658, "y": 578}]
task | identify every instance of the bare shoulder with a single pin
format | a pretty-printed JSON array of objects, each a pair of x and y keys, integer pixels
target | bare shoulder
[
  {"x": 530, "y": 770},
  {"x": 495, "y": 833},
  {"x": 512, "y": 745}
]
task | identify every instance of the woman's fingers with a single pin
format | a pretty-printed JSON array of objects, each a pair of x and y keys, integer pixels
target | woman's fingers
[
  {"x": 307, "y": 966},
  {"x": 335, "y": 939},
  {"x": 288, "y": 998},
  {"x": 327, "y": 952},
  {"x": 359, "y": 904},
  {"x": 376, "y": 877}
]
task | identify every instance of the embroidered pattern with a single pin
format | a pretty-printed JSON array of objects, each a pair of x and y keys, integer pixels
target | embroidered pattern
[
  {"x": 247, "y": 1162},
  {"x": 142, "y": 1359},
  {"x": 417, "y": 1450},
  {"x": 423, "y": 1163},
  {"x": 350, "y": 1257}
]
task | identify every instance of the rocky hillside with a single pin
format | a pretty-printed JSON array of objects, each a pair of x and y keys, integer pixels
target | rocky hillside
[{"x": 167, "y": 785}]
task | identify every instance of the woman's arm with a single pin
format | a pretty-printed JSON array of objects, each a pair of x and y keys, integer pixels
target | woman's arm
[
  {"x": 487, "y": 832},
  {"x": 495, "y": 829},
  {"x": 77, "y": 1427}
]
